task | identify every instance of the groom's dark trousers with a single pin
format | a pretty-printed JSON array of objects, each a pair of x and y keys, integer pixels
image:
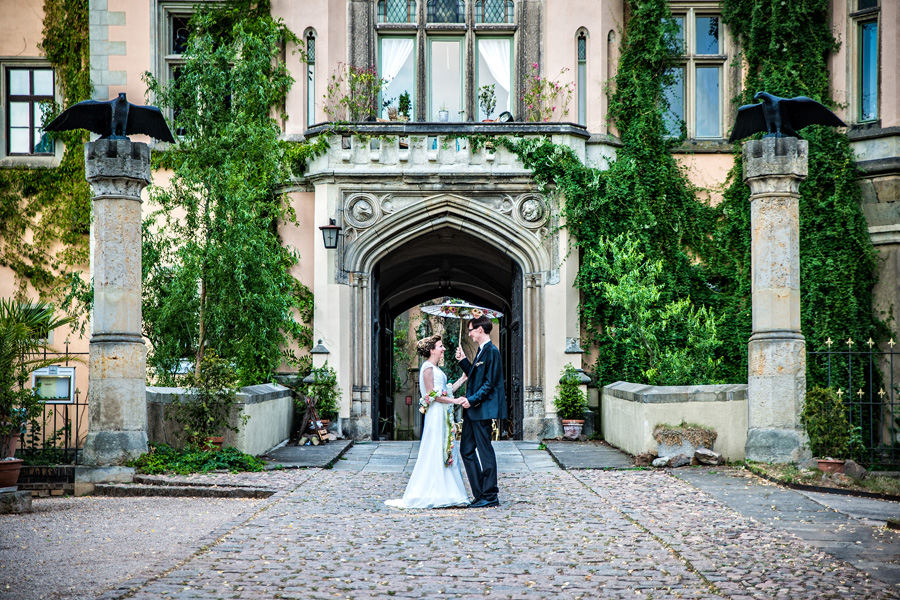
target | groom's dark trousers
[{"x": 486, "y": 393}]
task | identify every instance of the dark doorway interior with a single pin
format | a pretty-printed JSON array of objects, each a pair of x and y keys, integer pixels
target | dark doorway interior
[{"x": 447, "y": 262}]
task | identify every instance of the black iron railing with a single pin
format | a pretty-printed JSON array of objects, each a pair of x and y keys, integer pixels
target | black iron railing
[
  {"x": 866, "y": 377},
  {"x": 57, "y": 435}
]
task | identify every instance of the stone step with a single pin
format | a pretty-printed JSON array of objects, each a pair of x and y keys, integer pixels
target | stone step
[{"x": 179, "y": 491}]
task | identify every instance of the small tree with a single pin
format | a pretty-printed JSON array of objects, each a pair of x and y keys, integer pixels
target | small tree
[
  {"x": 827, "y": 426},
  {"x": 487, "y": 100},
  {"x": 325, "y": 390},
  {"x": 570, "y": 401}
]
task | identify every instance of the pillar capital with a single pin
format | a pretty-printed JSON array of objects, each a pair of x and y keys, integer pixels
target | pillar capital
[{"x": 119, "y": 168}]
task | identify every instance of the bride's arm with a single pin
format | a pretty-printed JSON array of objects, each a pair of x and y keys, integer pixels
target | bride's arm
[
  {"x": 459, "y": 382},
  {"x": 429, "y": 385}
]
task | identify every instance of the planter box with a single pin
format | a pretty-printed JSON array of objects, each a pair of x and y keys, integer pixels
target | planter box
[
  {"x": 631, "y": 411},
  {"x": 270, "y": 406}
]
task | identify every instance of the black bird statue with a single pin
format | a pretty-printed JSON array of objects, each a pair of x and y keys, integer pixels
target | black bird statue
[
  {"x": 780, "y": 117},
  {"x": 115, "y": 119}
]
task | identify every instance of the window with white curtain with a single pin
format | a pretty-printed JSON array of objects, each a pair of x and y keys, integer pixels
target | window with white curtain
[
  {"x": 398, "y": 68},
  {"x": 495, "y": 68}
]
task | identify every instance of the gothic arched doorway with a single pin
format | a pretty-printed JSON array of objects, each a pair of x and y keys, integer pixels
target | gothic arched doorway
[{"x": 446, "y": 262}]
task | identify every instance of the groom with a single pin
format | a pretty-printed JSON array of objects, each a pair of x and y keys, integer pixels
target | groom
[{"x": 485, "y": 400}]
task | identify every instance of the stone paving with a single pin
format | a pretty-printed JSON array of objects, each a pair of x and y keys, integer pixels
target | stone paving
[{"x": 565, "y": 534}]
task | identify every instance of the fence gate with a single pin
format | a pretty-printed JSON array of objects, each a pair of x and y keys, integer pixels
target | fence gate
[{"x": 866, "y": 378}]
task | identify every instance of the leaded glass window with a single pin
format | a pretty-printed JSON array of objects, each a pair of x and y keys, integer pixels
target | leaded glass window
[
  {"x": 446, "y": 11},
  {"x": 494, "y": 11},
  {"x": 396, "y": 11}
]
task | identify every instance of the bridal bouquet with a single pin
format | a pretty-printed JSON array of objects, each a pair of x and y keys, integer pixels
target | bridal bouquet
[
  {"x": 426, "y": 400},
  {"x": 452, "y": 429}
]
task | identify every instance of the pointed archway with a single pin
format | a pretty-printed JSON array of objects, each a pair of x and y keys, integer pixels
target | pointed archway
[{"x": 446, "y": 262}]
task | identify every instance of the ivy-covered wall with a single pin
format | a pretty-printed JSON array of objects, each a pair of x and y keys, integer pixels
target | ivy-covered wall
[{"x": 45, "y": 212}]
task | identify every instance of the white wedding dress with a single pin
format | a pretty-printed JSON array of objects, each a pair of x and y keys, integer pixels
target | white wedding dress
[{"x": 433, "y": 485}]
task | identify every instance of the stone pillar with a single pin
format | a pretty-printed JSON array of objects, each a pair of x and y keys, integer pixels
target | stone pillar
[
  {"x": 117, "y": 170},
  {"x": 774, "y": 168}
]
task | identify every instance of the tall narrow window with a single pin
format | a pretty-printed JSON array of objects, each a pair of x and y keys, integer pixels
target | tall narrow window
[
  {"x": 495, "y": 69},
  {"x": 868, "y": 71},
  {"x": 696, "y": 94},
  {"x": 398, "y": 68},
  {"x": 445, "y": 79},
  {"x": 27, "y": 91},
  {"x": 310, "y": 80},
  {"x": 582, "y": 79}
]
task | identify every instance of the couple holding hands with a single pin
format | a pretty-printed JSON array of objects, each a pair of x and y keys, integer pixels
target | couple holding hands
[{"x": 436, "y": 480}]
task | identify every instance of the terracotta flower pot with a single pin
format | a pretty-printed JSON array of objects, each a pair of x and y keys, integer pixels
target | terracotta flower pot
[
  {"x": 572, "y": 428},
  {"x": 9, "y": 472},
  {"x": 830, "y": 465}
]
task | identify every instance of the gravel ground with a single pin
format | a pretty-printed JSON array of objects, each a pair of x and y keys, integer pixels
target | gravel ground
[{"x": 74, "y": 548}]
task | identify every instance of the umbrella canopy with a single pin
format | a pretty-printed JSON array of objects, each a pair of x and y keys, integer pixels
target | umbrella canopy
[{"x": 456, "y": 309}]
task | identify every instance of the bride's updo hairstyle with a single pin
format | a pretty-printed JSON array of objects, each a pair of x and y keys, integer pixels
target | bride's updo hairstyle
[{"x": 426, "y": 345}]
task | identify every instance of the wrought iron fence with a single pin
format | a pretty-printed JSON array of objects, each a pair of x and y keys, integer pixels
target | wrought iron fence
[
  {"x": 57, "y": 435},
  {"x": 867, "y": 379}
]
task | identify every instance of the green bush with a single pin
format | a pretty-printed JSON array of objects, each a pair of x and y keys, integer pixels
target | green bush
[
  {"x": 570, "y": 401},
  {"x": 325, "y": 390},
  {"x": 825, "y": 418},
  {"x": 205, "y": 411},
  {"x": 166, "y": 459}
]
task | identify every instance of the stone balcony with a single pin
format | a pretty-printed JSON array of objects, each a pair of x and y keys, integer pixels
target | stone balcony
[{"x": 431, "y": 148}]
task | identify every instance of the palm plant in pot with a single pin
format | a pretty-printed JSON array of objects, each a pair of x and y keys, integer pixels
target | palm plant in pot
[
  {"x": 570, "y": 402},
  {"x": 24, "y": 329}
]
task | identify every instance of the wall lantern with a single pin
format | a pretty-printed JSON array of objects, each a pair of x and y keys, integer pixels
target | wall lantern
[{"x": 330, "y": 234}]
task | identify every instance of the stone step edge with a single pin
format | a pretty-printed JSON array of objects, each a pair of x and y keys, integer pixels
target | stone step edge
[
  {"x": 122, "y": 490},
  {"x": 152, "y": 480}
]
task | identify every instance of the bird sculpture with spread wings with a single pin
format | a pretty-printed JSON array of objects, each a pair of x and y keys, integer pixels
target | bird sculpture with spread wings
[
  {"x": 780, "y": 117},
  {"x": 114, "y": 119}
]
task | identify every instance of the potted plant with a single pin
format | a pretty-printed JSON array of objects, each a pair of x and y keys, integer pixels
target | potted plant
[
  {"x": 205, "y": 410},
  {"x": 403, "y": 106},
  {"x": 828, "y": 428},
  {"x": 321, "y": 384},
  {"x": 570, "y": 402},
  {"x": 392, "y": 111},
  {"x": 443, "y": 113},
  {"x": 24, "y": 328},
  {"x": 488, "y": 101}
]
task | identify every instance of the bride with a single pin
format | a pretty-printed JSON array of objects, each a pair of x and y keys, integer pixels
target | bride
[{"x": 433, "y": 482}]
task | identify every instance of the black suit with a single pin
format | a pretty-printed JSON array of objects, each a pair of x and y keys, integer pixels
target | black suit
[{"x": 486, "y": 393}]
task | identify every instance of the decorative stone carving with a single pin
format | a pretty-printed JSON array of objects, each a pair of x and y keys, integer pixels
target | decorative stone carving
[
  {"x": 530, "y": 211},
  {"x": 362, "y": 210}
]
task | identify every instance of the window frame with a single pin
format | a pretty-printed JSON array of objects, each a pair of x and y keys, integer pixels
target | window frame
[
  {"x": 429, "y": 87},
  {"x": 859, "y": 19},
  {"x": 31, "y": 160},
  {"x": 477, "y": 76},
  {"x": 310, "y": 36},
  {"x": 415, "y": 84},
  {"x": 581, "y": 76},
  {"x": 690, "y": 60}
]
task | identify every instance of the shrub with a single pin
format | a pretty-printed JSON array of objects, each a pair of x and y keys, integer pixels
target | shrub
[
  {"x": 570, "y": 401},
  {"x": 825, "y": 418},
  {"x": 165, "y": 459}
]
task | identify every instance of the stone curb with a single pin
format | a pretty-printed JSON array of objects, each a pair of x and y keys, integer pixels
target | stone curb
[
  {"x": 126, "y": 589},
  {"x": 828, "y": 490},
  {"x": 159, "y": 481},
  {"x": 180, "y": 491}
]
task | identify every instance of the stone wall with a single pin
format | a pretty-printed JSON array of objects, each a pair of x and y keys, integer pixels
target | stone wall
[
  {"x": 630, "y": 412},
  {"x": 270, "y": 407}
]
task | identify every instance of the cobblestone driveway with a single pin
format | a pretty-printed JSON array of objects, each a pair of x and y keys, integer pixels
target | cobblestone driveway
[{"x": 557, "y": 534}]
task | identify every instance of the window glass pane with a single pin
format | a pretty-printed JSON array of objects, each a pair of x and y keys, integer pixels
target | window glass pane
[
  {"x": 491, "y": 11},
  {"x": 582, "y": 93},
  {"x": 707, "y": 35},
  {"x": 398, "y": 68},
  {"x": 582, "y": 48},
  {"x": 495, "y": 68},
  {"x": 19, "y": 82},
  {"x": 311, "y": 94},
  {"x": 863, "y": 4},
  {"x": 446, "y": 11},
  {"x": 37, "y": 114},
  {"x": 679, "y": 35},
  {"x": 18, "y": 114},
  {"x": 446, "y": 79},
  {"x": 45, "y": 145},
  {"x": 868, "y": 76},
  {"x": 180, "y": 33},
  {"x": 19, "y": 140},
  {"x": 707, "y": 102},
  {"x": 674, "y": 95},
  {"x": 43, "y": 82}
]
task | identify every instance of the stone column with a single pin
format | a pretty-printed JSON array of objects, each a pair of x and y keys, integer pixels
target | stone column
[
  {"x": 118, "y": 170},
  {"x": 774, "y": 168}
]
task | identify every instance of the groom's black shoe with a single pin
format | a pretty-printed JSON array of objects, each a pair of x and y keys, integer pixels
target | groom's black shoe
[{"x": 484, "y": 503}]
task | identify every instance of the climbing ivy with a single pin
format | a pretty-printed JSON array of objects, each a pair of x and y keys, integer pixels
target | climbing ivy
[
  {"x": 644, "y": 192},
  {"x": 785, "y": 48},
  {"x": 216, "y": 274},
  {"x": 45, "y": 212}
]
